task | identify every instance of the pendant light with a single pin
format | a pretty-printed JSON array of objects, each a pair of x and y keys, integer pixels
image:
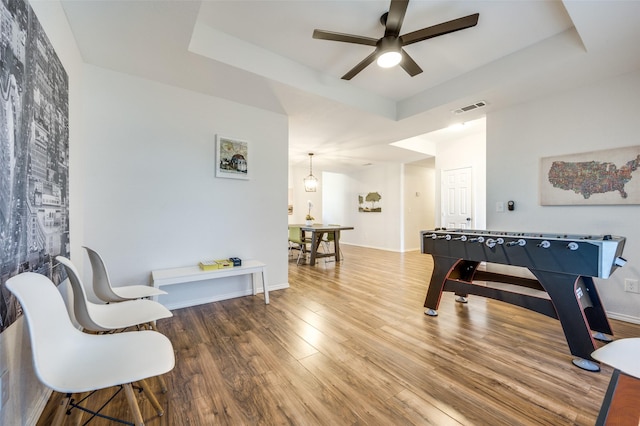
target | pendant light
[{"x": 310, "y": 182}]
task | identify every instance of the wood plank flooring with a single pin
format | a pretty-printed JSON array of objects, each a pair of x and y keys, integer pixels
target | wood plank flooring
[{"x": 350, "y": 344}]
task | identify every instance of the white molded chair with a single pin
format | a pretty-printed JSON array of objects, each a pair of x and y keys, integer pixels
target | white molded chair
[
  {"x": 102, "y": 285},
  {"x": 70, "y": 361},
  {"x": 113, "y": 316},
  {"x": 623, "y": 355}
]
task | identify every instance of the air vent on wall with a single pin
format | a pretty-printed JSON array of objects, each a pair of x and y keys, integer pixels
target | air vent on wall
[{"x": 467, "y": 108}]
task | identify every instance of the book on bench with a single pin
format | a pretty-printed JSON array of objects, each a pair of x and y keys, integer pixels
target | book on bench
[{"x": 210, "y": 265}]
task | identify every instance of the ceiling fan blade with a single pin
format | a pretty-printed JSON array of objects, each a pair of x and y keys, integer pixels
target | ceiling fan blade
[
  {"x": 362, "y": 65},
  {"x": 346, "y": 38},
  {"x": 397, "y": 9},
  {"x": 440, "y": 29},
  {"x": 409, "y": 65}
]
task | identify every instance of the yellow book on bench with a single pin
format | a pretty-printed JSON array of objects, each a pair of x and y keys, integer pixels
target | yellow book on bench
[
  {"x": 208, "y": 265},
  {"x": 224, "y": 263}
]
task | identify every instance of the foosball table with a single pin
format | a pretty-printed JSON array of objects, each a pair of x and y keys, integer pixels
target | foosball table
[{"x": 563, "y": 267}]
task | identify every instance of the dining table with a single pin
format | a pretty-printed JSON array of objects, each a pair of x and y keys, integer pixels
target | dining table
[{"x": 318, "y": 233}]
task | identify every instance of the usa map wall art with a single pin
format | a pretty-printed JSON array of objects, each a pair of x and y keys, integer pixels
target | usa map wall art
[{"x": 599, "y": 177}]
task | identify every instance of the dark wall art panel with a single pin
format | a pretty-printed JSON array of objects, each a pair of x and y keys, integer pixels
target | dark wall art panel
[{"x": 34, "y": 152}]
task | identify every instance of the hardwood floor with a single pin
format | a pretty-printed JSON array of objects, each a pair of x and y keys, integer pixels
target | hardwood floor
[{"x": 350, "y": 344}]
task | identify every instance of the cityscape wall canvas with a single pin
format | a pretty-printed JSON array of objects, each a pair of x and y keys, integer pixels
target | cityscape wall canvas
[
  {"x": 34, "y": 152},
  {"x": 599, "y": 177}
]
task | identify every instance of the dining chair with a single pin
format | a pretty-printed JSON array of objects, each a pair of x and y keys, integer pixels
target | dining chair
[
  {"x": 71, "y": 362},
  {"x": 296, "y": 242},
  {"x": 106, "y": 292},
  {"x": 113, "y": 316},
  {"x": 623, "y": 355}
]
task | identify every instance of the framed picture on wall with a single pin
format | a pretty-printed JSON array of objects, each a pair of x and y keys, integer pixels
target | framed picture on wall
[
  {"x": 232, "y": 158},
  {"x": 370, "y": 202},
  {"x": 610, "y": 176}
]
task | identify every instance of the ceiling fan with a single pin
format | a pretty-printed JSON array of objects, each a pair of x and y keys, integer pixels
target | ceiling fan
[{"x": 389, "y": 48}]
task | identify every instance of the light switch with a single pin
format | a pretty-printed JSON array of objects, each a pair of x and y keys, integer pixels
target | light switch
[{"x": 500, "y": 206}]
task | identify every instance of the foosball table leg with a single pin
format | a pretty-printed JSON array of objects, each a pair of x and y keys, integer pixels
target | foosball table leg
[
  {"x": 586, "y": 364},
  {"x": 461, "y": 299},
  {"x": 431, "y": 312},
  {"x": 602, "y": 337}
]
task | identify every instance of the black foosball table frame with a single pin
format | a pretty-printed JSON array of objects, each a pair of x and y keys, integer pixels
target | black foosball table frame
[{"x": 563, "y": 267}]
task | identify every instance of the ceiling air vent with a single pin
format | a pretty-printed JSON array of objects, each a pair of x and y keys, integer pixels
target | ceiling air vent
[{"x": 467, "y": 108}]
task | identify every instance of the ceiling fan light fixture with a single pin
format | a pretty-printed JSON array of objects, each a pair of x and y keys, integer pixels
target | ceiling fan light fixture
[
  {"x": 389, "y": 59},
  {"x": 389, "y": 49},
  {"x": 393, "y": 41}
]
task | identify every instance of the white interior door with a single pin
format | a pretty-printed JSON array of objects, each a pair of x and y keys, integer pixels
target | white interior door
[{"x": 457, "y": 199}]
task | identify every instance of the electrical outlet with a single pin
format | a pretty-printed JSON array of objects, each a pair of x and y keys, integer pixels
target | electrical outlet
[{"x": 631, "y": 286}]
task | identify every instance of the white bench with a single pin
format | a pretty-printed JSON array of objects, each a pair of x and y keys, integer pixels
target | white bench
[{"x": 173, "y": 276}]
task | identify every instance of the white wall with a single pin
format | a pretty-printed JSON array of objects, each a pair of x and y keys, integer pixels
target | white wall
[
  {"x": 419, "y": 204},
  {"x": 596, "y": 117},
  {"x": 408, "y": 195},
  {"x": 336, "y": 202},
  {"x": 377, "y": 230},
  {"x": 27, "y": 397},
  {"x": 460, "y": 153},
  {"x": 152, "y": 200}
]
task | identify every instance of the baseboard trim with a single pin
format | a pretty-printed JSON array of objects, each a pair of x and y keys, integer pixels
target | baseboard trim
[
  {"x": 39, "y": 406},
  {"x": 623, "y": 317},
  {"x": 370, "y": 247}
]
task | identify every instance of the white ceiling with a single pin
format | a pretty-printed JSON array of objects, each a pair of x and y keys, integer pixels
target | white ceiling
[{"x": 261, "y": 53}]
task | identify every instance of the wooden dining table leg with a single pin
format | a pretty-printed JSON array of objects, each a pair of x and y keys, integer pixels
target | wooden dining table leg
[
  {"x": 315, "y": 242},
  {"x": 336, "y": 244}
]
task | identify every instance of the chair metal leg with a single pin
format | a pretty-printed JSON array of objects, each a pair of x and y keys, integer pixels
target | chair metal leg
[
  {"x": 326, "y": 246},
  {"x": 133, "y": 405},
  {"x": 301, "y": 251},
  {"x": 292, "y": 247}
]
